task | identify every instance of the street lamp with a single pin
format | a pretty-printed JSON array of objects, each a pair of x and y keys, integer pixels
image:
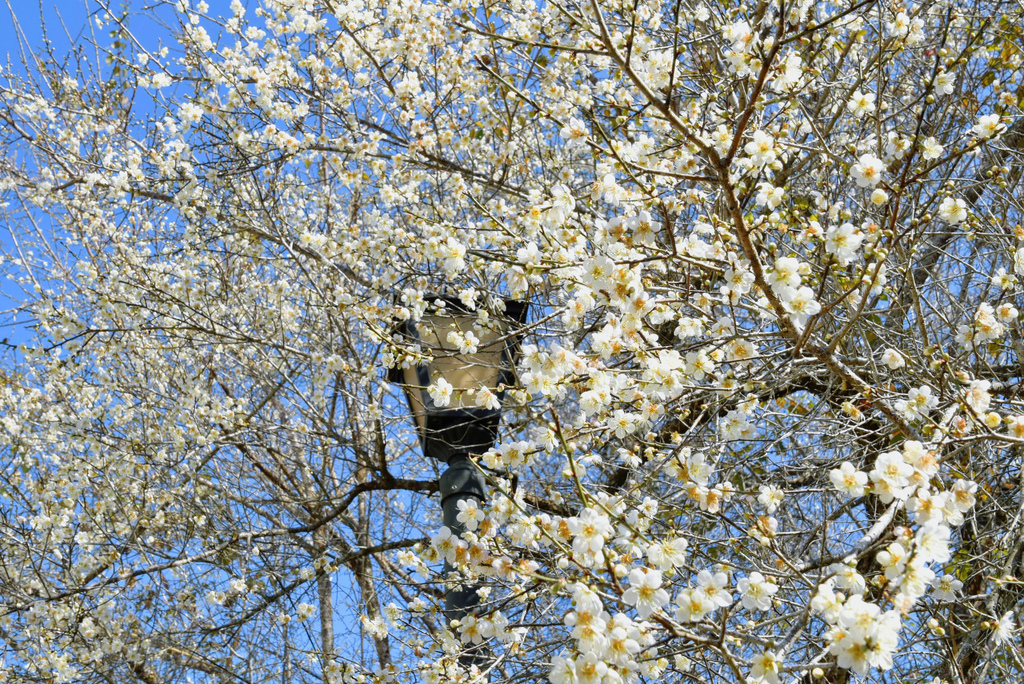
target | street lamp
[{"x": 451, "y": 433}]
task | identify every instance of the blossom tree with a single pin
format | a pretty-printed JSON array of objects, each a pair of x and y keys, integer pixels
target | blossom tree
[{"x": 767, "y": 425}]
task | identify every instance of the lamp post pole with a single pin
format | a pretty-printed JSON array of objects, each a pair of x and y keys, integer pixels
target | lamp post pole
[
  {"x": 451, "y": 433},
  {"x": 461, "y": 481},
  {"x": 451, "y": 437}
]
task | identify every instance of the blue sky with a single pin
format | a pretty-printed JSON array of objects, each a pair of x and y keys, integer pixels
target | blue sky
[
  {"x": 66, "y": 21},
  {"x": 69, "y": 28},
  {"x": 22, "y": 36},
  {"x": 69, "y": 22}
]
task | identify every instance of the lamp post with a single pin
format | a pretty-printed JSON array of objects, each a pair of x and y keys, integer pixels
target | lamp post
[{"x": 451, "y": 433}]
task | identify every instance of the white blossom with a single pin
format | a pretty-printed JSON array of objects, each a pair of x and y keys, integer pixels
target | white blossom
[
  {"x": 756, "y": 592},
  {"x": 893, "y": 359},
  {"x": 953, "y": 210},
  {"x": 988, "y": 126},
  {"x": 868, "y": 170},
  {"x": 645, "y": 592}
]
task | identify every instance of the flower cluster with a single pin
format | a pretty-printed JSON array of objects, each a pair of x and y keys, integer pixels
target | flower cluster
[{"x": 862, "y": 635}]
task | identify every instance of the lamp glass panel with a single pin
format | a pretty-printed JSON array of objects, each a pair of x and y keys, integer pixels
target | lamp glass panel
[
  {"x": 415, "y": 397},
  {"x": 467, "y": 373}
]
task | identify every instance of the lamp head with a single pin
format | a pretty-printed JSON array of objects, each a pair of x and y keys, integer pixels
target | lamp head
[{"x": 477, "y": 360}]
